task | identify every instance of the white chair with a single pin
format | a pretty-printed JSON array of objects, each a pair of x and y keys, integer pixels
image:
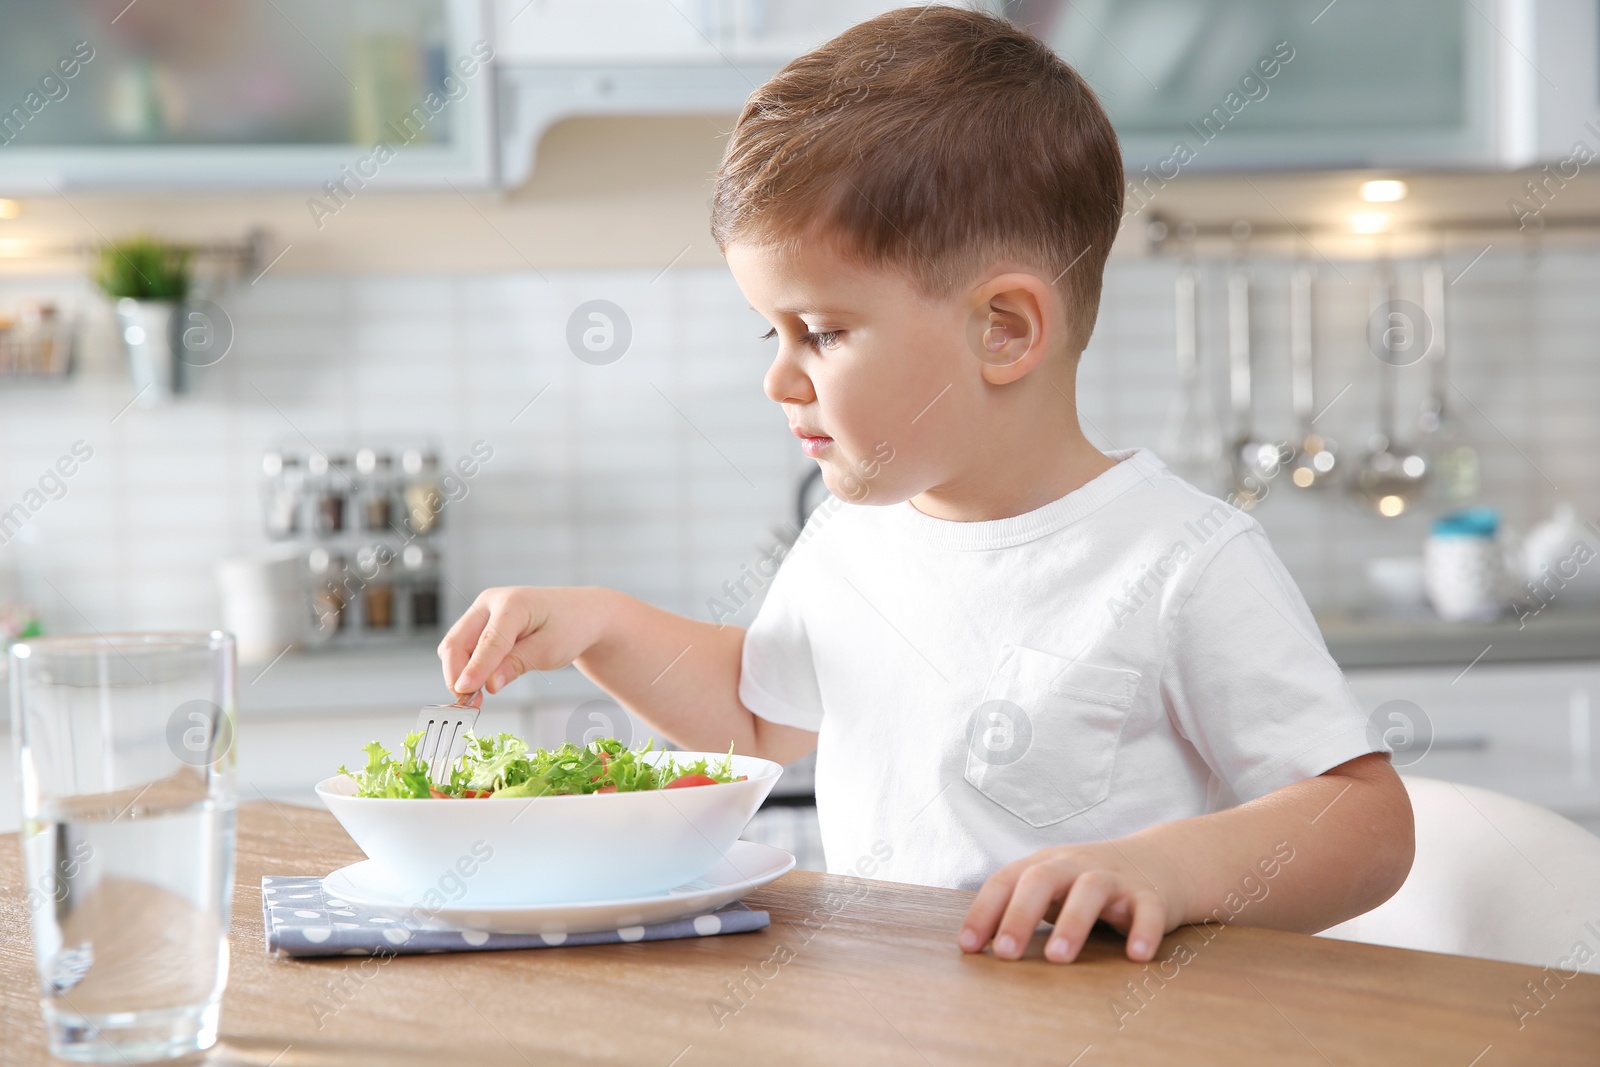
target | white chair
[{"x": 1494, "y": 877}]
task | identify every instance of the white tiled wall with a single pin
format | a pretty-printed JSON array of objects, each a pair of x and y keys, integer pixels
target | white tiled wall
[
  {"x": 1525, "y": 367},
  {"x": 660, "y": 473}
]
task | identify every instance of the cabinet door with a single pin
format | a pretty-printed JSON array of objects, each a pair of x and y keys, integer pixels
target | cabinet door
[
  {"x": 1526, "y": 731},
  {"x": 247, "y": 92},
  {"x": 1264, "y": 83}
]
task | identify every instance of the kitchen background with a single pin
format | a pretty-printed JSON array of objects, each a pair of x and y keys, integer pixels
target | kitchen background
[{"x": 440, "y": 309}]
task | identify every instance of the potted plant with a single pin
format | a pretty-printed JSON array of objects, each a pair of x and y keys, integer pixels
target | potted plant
[{"x": 149, "y": 280}]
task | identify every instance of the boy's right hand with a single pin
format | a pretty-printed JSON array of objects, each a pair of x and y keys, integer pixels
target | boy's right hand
[{"x": 511, "y": 630}]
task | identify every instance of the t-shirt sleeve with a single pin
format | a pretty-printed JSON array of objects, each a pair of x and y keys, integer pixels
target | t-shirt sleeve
[
  {"x": 777, "y": 676},
  {"x": 1248, "y": 678}
]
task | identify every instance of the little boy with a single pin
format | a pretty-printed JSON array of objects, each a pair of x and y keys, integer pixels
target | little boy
[{"x": 1062, "y": 677}]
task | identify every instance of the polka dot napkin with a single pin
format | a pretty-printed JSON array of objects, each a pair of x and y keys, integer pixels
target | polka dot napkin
[{"x": 302, "y": 920}]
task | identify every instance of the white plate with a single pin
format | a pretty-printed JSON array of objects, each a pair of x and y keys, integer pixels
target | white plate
[{"x": 745, "y": 866}]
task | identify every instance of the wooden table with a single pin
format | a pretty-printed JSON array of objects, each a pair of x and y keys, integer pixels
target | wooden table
[{"x": 850, "y": 972}]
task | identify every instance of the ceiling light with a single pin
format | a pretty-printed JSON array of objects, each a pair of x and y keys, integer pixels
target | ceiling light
[
  {"x": 9, "y": 209},
  {"x": 1390, "y": 506},
  {"x": 1370, "y": 222},
  {"x": 1383, "y": 191}
]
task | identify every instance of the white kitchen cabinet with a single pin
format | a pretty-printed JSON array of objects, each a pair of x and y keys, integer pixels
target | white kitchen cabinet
[
  {"x": 561, "y": 58},
  {"x": 535, "y": 96},
  {"x": 604, "y": 32},
  {"x": 1562, "y": 91},
  {"x": 332, "y": 98},
  {"x": 1259, "y": 84},
  {"x": 1256, "y": 83},
  {"x": 1526, "y": 730}
]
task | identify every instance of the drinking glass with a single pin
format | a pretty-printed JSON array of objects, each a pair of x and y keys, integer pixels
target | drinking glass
[{"x": 126, "y": 764}]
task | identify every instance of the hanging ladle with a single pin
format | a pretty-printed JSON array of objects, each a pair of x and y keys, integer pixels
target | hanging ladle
[
  {"x": 1444, "y": 439},
  {"x": 1255, "y": 462},
  {"x": 1391, "y": 476},
  {"x": 1189, "y": 441},
  {"x": 1318, "y": 455}
]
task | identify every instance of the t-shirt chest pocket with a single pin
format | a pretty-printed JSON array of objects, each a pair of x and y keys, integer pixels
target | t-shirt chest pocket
[{"x": 1043, "y": 740}]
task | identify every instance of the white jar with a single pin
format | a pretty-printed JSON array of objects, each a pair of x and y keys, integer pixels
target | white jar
[{"x": 1464, "y": 566}]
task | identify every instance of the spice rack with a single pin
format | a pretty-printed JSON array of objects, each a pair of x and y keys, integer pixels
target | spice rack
[{"x": 371, "y": 522}]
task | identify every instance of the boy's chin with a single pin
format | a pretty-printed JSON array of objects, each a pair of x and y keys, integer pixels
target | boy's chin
[{"x": 852, "y": 488}]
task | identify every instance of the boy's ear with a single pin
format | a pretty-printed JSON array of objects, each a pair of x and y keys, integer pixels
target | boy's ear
[{"x": 1008, "y": 328}]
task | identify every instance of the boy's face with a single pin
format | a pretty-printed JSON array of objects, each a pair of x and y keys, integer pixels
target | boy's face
[{"x": 877, "y": 380}]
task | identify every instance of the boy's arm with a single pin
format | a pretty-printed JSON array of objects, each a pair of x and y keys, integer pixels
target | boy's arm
[
  {"x": 679, "y": 675},
  {"x": 1304, "y": 857}
]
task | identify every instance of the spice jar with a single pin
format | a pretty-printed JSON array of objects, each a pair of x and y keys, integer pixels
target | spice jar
[
  {"x": 328, "y": 487},
  {"x": 328, "y": 593},
  {"x": 374, "y": 567},
  {"x": 375, "y": 481},
  {"x": 285, "y": 485},
  {"x": 423, "y": 502},
  {"x": 422, "y": 586}
]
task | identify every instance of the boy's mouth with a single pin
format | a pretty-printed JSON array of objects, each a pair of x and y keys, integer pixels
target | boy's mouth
[{"x": 812, "y": 444}]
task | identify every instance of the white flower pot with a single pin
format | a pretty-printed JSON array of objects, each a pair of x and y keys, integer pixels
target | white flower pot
[{"x": 149, "y": 337}]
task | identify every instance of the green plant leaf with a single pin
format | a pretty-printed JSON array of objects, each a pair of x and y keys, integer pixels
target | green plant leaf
[{"x": 144, "y": 268}]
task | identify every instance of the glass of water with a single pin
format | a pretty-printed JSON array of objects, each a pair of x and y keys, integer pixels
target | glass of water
[{"x": 125, "y": 759}]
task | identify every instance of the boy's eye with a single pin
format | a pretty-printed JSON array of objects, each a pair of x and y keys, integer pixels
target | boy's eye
[{"x": 825, "y": 339}]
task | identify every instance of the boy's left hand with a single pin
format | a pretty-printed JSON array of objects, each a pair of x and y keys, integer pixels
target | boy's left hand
[{"x": 1120, "y": 882}]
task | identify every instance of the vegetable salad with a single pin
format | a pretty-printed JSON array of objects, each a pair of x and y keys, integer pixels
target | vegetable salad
[{"x": 504, "y": 766}]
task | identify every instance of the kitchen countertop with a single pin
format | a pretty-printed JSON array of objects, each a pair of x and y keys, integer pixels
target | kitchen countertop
[
  {"x": 850, "y": 971},
  {"x": 1363, "y": 641}
]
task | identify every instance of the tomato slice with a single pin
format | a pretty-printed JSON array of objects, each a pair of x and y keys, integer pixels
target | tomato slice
[
  {"x": 612, "y": 788},
  {"x": 684, "y": 781},
  {"x": 464, "y": 793}
]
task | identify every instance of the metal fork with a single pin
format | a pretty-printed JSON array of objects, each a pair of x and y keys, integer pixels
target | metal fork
[{"x": 444, "y": 735}]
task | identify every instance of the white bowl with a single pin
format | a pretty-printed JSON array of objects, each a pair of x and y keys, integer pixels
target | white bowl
[{"x": 551, "y": 850}]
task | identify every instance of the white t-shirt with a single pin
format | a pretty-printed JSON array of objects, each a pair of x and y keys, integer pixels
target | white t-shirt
[{"x": 1129, "y": 654}]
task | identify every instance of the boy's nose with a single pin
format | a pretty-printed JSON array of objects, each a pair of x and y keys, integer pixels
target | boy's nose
[{"x": 785, "y": 383}]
